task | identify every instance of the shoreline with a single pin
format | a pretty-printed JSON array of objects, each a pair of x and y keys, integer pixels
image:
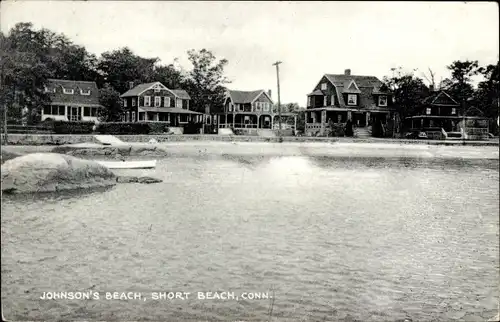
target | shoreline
[
  {"x": 63, "y": 139},
  {"x": 264, "y": 149}
]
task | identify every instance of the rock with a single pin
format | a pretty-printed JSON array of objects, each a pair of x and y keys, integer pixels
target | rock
[
  {"x": 47, "y": 172},
  {"x": 148, "y": 180},
  {"x": 9, "y": 155},
  {"x": 131, "y": 179}
]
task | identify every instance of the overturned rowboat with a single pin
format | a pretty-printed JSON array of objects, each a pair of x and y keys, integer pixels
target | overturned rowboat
[{"x": 149, "y": 164}]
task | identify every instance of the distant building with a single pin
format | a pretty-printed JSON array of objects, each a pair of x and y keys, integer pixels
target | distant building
[
  {"x": 154, "y": 102},
  {"x": 440, "y": 113},
  {"x": 71, "y": 101},
  {"x": 251, "y": 110},
  {"x": 339, "y": 97}
]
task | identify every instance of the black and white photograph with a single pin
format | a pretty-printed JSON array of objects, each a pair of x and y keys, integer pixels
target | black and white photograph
[{"x": 249, "y": 161}]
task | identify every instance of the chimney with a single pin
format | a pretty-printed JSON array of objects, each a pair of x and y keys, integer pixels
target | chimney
[
  {"x": 431, "y": 88},
  {"x": 130, "y": 85},
  {"x": 347, "y": 72},
  {"x": 269, "y": 93}
]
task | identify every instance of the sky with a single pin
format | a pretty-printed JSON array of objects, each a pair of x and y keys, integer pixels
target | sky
[{"x": 309, "y": 38}]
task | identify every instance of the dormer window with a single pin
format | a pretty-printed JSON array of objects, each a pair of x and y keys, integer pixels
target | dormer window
[
  {"x": 68, "y": 91},
  {"x": 428, "y": 111},
  {"x": 85, "y": 92},
  {"x": 453, "y": 111},
  {"x": 352, "y": 99},
  {"x": 382, "y": 100},
  {"x": 323, "y": 87},
  {"x": 157, "y": 90}
]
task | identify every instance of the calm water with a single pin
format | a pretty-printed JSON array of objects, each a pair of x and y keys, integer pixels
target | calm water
[{"x": 332, "y": 239}]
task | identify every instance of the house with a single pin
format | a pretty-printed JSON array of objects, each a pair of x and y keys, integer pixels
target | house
[
  {"x": 440, "y": 113},
  {"x": 251, "y": 110},
  {"x": 154, "y": 102},
  {"x": 339, "y": 97},
  {"x": 71, "y": 101}
]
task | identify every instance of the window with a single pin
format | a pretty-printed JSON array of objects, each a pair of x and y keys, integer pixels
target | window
[
  {"x": 86, "y": 111},
  {"x": 68, "y": 91},
  {"x": 324, "y": 101},
  {"x": 124, "y": 102},
  {"x": 352, "y": 99},
  {"x": 309, "y": 101},
  {"x": 157, "y": 101},
  {"x": 147, "y": 100},
  {"x": 382, "y": 100},
  {"x": 428, "y": 111},
  {"x": 61, "y": 110},
  {"x": 230, "y": 107},
  {"x": 266, "y": 107},
  {"x": 178, "y": 103},
  {"x": 93, "y": 112},
  {"x": 323, "y": 87},
  {"x": 157, "y": 90},
  {"x": 85, "y": 92},
  {"x": 47, "y": 110},
  {"x": 141, "y": 116},
  {"x": 133, "y": 101},
  {"x": 166, "y": 101},
  {"x": 333, "y": 100},
  {"x": 133, "y": 117},
  {"x": 453, "y": 111}
]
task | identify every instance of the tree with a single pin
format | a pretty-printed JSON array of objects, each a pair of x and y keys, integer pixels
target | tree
[
  {"x": 206, "y": 82},
  {"x": 461, "y": 83},
  {"x": 119, "y": 67},
  {"x": 23, "y": 74},
  {"x": 408, "y": 91},
  {"x": 487, "y": 94},
  {"x": 110, "y": 99}
]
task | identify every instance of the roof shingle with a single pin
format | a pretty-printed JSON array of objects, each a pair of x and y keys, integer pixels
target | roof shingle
[
  {"x": 243, "y": 97},
  {"x": 75, "y": 99}
]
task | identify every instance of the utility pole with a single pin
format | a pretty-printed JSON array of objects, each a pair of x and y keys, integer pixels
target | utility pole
[{"x": 279, "y": 102}]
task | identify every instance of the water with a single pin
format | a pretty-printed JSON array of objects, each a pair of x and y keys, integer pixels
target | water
[{"x": 331, "y": 238}]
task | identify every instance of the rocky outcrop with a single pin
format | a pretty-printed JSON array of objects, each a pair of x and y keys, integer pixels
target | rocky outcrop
[{"x": 49, "y": 172}]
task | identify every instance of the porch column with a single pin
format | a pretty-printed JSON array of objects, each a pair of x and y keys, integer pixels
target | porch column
[
  {"x": 81, "y": 112},
  {"x": 146, "y": 116},
  {"x": 295, "y": 122},
  {"x": 66, "y": 112},
  {"x": 258, "y": 121},
  {"x": 367, "y": 118},
  {"x": 323, "y": 121},
  {"x": 178, "y": 119},
  {"x": 234, "y": 118}
]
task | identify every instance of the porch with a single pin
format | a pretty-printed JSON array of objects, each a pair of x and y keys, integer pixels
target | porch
[
  {"x": 70, "y": 112},
  {"x": 256, "y": 121},
  {"x": 173, "y": 116}
]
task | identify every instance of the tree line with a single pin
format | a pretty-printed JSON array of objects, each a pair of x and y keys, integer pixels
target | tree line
[
  {"x": 409, "y": 89},
  {"x": 29, "y": 57}
]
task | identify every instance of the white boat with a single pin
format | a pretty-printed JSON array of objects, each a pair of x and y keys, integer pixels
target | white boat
[{"x": 148, "y": 164}]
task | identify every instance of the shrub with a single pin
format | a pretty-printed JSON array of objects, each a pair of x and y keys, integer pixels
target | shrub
[
  {"x": 65, "y": 127},
  {"x": 336, "y": 129},
  {"x": 123, "y": 128},
  {"x": 158, "y": 127},
  {"x": 192, "y": 128}
]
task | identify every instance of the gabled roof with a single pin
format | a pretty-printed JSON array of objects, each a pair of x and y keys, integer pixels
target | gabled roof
[
  {"x": 180, "y": 93},
  {"x": 432, "y": 98},
  {"x": 351, "y": 87},
  {"x": 243, "y": 97},
  {"x": 366, "y": 86},
  {"x": 59, "y": 98},
  {"x": 137, "y": 90},
  {"x": 141, "y": 88}
]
